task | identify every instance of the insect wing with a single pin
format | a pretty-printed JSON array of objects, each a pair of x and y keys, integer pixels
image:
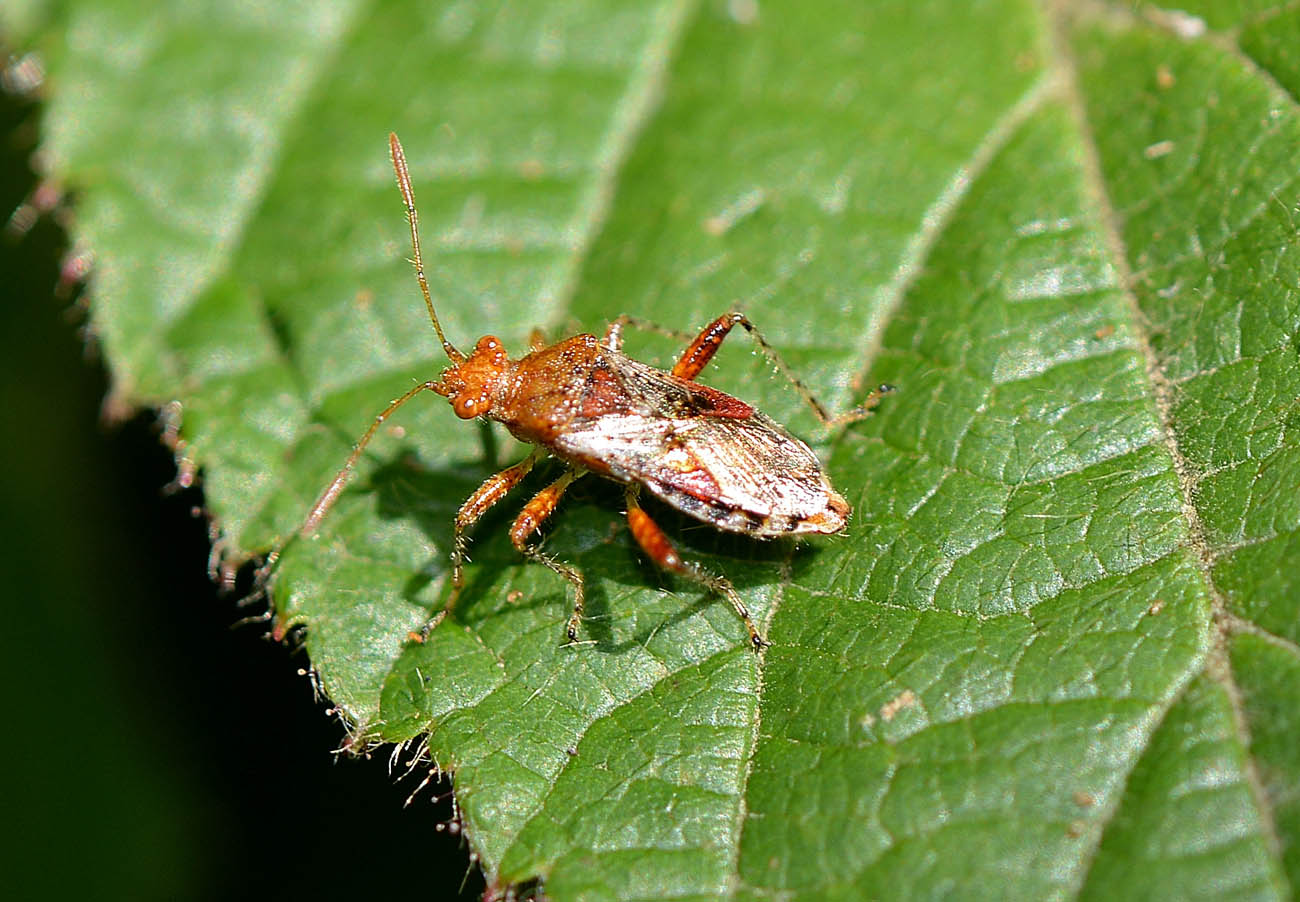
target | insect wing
[{"x": 706, "y": 453}]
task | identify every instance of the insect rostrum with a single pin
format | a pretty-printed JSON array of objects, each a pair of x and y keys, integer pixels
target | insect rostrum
[{"x": 582, "y": 400}]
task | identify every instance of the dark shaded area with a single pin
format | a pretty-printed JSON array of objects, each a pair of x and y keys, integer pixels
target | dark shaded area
[{"x": 158, "y": 753}]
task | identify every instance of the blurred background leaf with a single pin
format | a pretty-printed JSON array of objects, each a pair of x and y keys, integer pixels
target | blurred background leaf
[{"x": 1056, "y": 653}]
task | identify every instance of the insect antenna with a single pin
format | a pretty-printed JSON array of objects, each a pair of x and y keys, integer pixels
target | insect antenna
[{"x": 408, "y": 197}]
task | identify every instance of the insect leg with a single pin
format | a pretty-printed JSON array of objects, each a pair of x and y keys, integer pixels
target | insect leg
[
  {"x": 493, "y": 489},
  {"x": 614, "y": 332},
  {"x": 654, "y": 543},
  {"x": 697, "y": 356},
  {"x": 534, "y": 514},
  {"x": 335, "y": 488}
]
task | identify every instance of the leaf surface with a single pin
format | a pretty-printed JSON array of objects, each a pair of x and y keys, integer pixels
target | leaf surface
[{"x": 1055, "y": 654}]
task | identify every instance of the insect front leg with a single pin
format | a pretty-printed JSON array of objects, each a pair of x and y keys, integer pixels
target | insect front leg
[
  {"x": 534, "y": 514},
  {"x": 493, "y": 489},
  {"x": 700, "y": 351},
  {"x": 655, "y": 543}
]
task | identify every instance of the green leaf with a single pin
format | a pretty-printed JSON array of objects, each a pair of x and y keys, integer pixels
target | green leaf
[{"x": 1055, "y": 654}]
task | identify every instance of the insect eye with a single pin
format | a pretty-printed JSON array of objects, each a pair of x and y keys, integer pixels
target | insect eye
[{"x": 466, "y": 408}]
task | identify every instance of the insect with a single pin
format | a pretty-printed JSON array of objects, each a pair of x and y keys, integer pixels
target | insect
[{"x": 582, "y": 400}]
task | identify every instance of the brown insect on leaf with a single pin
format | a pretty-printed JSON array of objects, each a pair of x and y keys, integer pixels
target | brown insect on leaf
[{"x": 582, "y": 400}]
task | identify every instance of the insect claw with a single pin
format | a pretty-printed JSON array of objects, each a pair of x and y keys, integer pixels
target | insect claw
[{"x": 423, "y": 635}]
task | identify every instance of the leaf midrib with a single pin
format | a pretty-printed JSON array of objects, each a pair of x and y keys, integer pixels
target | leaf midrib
[{"x": 1213, "y": 659}]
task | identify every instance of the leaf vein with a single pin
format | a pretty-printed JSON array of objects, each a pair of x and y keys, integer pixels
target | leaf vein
[{"x": 1213, "y": 658}]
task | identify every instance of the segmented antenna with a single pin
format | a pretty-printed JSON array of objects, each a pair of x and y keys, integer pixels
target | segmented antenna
[{"x": 408, "y": 197}]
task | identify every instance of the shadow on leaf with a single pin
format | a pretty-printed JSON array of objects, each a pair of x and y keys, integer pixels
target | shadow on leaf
[{"x": 587, "y": 531}]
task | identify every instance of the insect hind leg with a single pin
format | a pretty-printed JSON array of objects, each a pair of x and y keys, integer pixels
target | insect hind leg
[
  {"x": 655, "y": 543},
  {"x": 701, "y": 350},
  {"x": 534, "y": 514}
]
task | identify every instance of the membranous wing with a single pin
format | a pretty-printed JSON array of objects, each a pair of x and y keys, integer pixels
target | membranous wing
[{"x": 704, "y": 452}]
